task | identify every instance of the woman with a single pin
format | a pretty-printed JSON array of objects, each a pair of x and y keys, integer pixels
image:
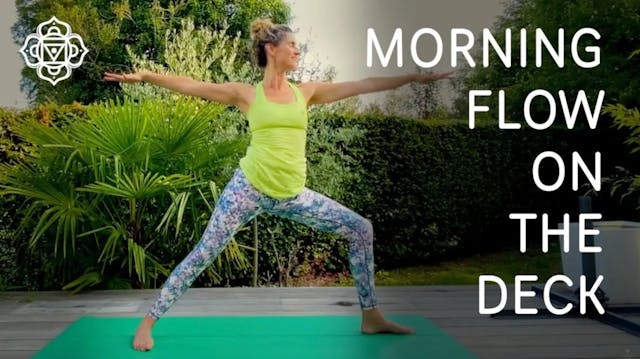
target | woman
[{"x": 271, "y": 176}]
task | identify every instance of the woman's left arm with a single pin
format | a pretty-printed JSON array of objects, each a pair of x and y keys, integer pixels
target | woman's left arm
[{"x": 325, "y": 92}]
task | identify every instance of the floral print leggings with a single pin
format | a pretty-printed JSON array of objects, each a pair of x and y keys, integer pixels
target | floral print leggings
[{"x": 240, "y": 202}]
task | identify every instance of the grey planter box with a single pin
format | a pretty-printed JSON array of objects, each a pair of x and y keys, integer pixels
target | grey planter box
[{"x": 618, "y": 263}]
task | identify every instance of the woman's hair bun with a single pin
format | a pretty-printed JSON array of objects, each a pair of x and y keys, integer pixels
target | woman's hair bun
[{"x": 260, "y": 26}]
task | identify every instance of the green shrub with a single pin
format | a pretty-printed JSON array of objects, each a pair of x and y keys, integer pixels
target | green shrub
[
  {"x": 432, "y": 189},
  {"x": 116, "y": 196}
]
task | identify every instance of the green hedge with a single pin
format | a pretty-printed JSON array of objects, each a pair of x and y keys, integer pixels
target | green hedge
[{"x": 431, "y": 190}]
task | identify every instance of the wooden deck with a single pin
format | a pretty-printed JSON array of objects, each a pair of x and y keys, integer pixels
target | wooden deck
[{"x": 29, "y": 320}]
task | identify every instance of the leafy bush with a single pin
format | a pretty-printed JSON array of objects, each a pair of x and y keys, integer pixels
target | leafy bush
[
  {"x": 136, "y": 183},
  {"x": 117, "y": 196},
  {"x": 438, "y": 189},
  {"x": 624, "y": 184}
]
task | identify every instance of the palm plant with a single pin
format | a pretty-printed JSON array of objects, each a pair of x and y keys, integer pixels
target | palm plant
[{"x": 120, "y": 193}]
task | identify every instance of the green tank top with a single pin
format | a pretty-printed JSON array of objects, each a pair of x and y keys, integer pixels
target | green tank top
[{"x": 275, "y": 162}]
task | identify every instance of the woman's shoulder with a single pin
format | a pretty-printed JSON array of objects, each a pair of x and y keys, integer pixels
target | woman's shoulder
[
  {"x": 307, "y": 88},
  {"x": 244, "y": 93}
]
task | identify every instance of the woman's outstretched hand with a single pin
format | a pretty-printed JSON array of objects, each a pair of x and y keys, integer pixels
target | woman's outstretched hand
[
  {"x": 128, "y": 78},
  {"x": 430, "y": 77}
]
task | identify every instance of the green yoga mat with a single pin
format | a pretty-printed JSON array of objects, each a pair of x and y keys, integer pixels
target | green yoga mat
[{"x": 332, "y": 337}]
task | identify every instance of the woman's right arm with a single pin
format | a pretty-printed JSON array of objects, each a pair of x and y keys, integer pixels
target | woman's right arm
[{"x": 230, "y": 93}]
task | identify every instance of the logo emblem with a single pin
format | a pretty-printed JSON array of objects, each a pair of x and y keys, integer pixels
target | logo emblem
[{"x": 56, "y": 50}]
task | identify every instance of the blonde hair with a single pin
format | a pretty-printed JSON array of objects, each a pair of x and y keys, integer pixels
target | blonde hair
[{"x": 263, "y": 32}]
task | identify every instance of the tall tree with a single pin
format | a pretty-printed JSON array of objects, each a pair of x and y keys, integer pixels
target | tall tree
[
  {"x": 107, "y": 26},
  {"x": 616, "y": 22}
]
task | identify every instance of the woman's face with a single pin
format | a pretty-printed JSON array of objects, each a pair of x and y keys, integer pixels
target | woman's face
[{"x": 286, "y": 54}]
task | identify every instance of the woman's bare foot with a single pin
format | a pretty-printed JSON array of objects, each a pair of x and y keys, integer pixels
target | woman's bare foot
[
  {"x": 373, "y": 322},
  {"x": 143, "y": 340}
]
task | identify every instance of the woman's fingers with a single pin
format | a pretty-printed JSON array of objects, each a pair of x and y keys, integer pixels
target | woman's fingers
[
  {"x": 429, "y": 77},
  {"x": 446, "y": 75},
  {"x": 109, "y": 76}
]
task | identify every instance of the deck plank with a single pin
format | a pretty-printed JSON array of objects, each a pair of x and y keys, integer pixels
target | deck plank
[{"x": 29, "y": 320}]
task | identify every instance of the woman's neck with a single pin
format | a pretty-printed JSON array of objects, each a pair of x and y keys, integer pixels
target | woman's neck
[{"x": 274, "y": 79}]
